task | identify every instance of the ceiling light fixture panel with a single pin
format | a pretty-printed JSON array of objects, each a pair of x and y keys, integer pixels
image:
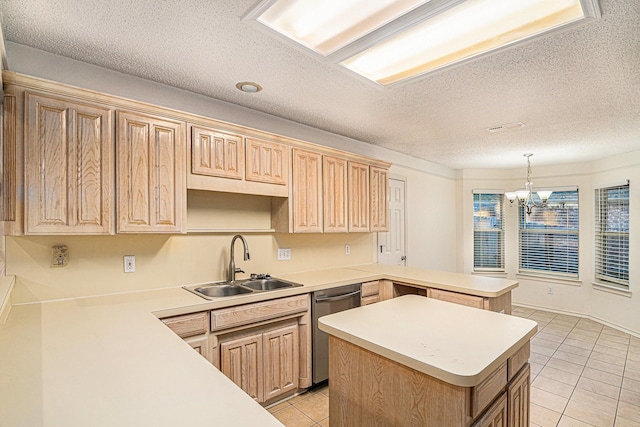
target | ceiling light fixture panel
[
  {"x": 325, "y": 27},
  {"x": 388, "y": 41}
]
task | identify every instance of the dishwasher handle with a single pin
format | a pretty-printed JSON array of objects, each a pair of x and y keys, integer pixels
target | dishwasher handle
[{"x": 337, "y": 297}]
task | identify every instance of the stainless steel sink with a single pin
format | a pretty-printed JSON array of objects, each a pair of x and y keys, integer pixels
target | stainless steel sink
[
  {"x": 221, "y": 290},
  {"x": 267, "y": 284},
  {"x": 239, "y": 287}
]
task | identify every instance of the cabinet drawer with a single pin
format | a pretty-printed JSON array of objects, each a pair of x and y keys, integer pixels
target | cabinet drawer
[
  {"x": 188, "y": 325},
  {"x": 454, "y": 297},
  {"x": 485, "y": 392},
  {"x": 252, "y": 313},
  {"x": 370, "y": 288},
  {"x": 518, "y": 360}
]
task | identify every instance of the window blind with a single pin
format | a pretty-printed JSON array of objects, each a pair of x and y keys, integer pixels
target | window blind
[
  {"x": 549, "y": 236},
  {"x": 612, "y": 235},
  {"x": 488, "y": 232}
]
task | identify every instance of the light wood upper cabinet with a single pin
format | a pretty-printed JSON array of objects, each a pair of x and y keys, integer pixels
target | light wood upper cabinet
[
  {"x": 8, "y": 157},
  {"x": 215, "y": 153},
  {"x": 379, "y": 199},
  {"x": 151, "y": 174},
  {"x": 335, "y": 194},
  {"x": 359, "y": 210},
  {"x": 68, "y": 167},
  {"x": 307, "y": 191},
  {"x": 267, "y": 162}
]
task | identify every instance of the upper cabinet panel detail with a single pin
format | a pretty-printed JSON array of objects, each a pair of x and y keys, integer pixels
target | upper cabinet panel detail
[
  {"x": 68, "y": 167},
  {"x": 267, "y": 162},
  {"x": 216, "y": 153},
  {"x": 151, "y": 174}
]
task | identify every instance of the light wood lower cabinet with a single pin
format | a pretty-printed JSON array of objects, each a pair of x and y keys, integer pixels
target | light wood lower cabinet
[
  {"x": 500, "y": 304},
  {"x": 151, "y": 174},
  {"x": 280, "y": 360},
  {"x": 263, "y": 361},
  {"x": 194, "y": 329},
  {"x": 496, "y": 416},
  {"x": 68, "y": 167},
  {"x": 376, "y": 291},
  {"x": 241, "y": 359},
  {"x": 519, "y": 398}
]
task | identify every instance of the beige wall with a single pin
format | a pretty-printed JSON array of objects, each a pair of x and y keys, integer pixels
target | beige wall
[
  {"x": 96, "y": 262},
  {"x": 570, "y": 297}
]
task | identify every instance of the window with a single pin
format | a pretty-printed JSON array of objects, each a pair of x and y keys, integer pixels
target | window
[
  {"x": 612, "y": 235},
  {"x": 488, "y": 232},
  {"x": 549, "y": 236}
]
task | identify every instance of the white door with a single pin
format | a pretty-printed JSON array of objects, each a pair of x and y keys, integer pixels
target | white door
[{"x": 392, "y": 244}]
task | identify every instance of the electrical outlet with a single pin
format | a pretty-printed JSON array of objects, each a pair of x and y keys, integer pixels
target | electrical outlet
[
  {"x": 59, "y": 256},
  {"x": 550, "y": 290},
  {"x": 129, "y": 263},
  {"x": 284, "y": 254},
  {"x": 347, "y": 249}
]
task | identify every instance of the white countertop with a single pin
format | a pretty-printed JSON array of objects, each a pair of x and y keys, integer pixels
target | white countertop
[
  {"x": 454, "y": 343},
  {"x": 107, "y": 361}
]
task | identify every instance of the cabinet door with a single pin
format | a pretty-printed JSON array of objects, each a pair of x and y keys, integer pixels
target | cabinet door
[
  {"x": 307, "y": 192},
  {"x": 281, "y": 356},
  {"x": 359, "y": 211},
  {"x": 335, "y": 190},
  {"x": 267, "y": 162},
  {"x": 68, "y": 167},
  {"x": 8, "y": 172},
  {"x": 241, "y": 361},
  {"x": 151, "y": 174},
  {"x": 199, "y": 344},
  {"x": 518, "y": 398},
  {"x": 496, "y": 415},
  {"x": 379, "y": 199},
  {"x": 216, "y": 153}
]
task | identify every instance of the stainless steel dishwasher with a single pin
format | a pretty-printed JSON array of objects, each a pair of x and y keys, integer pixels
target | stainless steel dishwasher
[{"x": 326, "y": 302}]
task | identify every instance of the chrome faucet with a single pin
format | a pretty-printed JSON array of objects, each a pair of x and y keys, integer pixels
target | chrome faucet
[{"x": 231, "y": 273}]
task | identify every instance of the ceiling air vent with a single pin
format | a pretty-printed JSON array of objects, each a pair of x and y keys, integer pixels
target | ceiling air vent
[{"x": 506, "y": 127}]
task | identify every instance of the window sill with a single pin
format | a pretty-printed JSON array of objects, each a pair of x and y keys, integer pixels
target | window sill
[
  {"x": 611, "y": 289},
  {"x": 550, "y": 279}
]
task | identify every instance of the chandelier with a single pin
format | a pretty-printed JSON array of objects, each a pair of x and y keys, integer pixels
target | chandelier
[{"x": 525, "y": 197}]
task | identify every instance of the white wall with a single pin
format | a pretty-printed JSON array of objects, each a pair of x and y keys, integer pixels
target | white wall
[{"x": 570, "y": 297}]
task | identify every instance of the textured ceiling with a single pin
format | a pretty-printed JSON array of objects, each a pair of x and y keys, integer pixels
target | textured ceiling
[{"x": 578, "y": 91}]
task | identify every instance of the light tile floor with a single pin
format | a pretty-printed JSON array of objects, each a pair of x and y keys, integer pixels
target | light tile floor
[{"x": 582, "y": 374}]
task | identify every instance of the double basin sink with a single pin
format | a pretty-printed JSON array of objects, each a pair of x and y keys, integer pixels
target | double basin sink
[{"x": 239, "y": 287}]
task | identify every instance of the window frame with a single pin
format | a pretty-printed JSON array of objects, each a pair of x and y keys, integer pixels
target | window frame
[
  {"x": 499, "y": 231},
  {"x": 572, "y": 234},
  {"x": 600, "y": 230}
]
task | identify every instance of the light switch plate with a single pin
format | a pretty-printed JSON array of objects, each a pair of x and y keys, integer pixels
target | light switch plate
[
  {"x": 129, "y": 263},
  {"x": 284, "y": 254}
]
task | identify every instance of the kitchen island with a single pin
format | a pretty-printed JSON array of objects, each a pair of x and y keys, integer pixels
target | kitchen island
[{"x": 414, "y": 361}]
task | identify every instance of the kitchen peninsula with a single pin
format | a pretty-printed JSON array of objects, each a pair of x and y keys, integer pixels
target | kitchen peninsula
[
  {"x": 109, "y": 360},
  {"x": 415, "y": 361}
]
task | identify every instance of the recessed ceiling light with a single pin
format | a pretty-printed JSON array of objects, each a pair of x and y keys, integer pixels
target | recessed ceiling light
[{"x": 249, "y": 87}]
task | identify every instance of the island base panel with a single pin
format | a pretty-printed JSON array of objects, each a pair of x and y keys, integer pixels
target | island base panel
[{"x": 366, "y": 389}]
